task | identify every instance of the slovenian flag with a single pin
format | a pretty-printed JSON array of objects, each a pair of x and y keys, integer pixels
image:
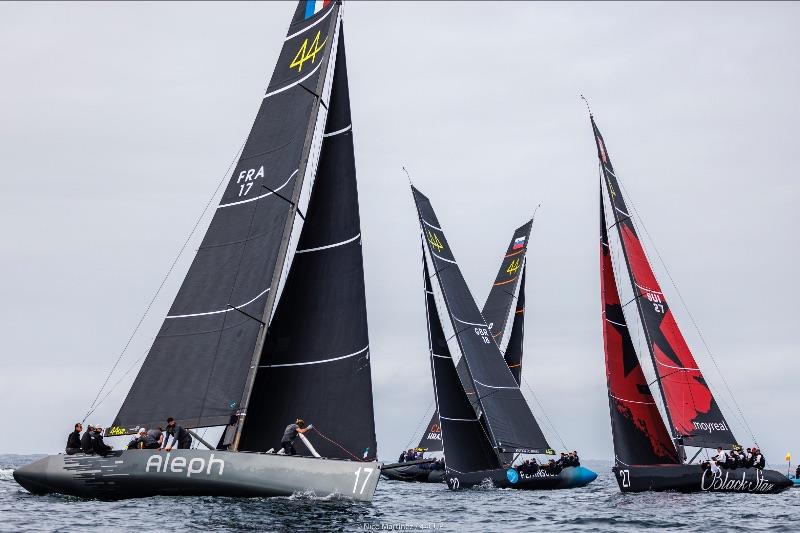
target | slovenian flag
[
  {"x": 315, "y": 6},
  {"x": 519, "y": 242}
]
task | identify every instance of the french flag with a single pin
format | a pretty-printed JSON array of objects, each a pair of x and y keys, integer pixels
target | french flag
[
  {"x": 519, "y": 242},
  {"x": 315, "y": 6}
]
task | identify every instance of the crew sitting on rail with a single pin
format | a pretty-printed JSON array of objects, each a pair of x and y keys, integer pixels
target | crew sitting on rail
[
  {"x": 797, "y": 472},
  {"x": 74, "y": 440},
  {"x": 87, "y": 440},
  {"x": 100, "y": 447},
  {"x": 576, "y": 461},
  {"x": 402, "y": 457},
  {"x": 758, "y": 459},
  {"x": 137, "y": 442}
]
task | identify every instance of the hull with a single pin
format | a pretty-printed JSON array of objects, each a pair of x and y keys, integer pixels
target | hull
[
  {"x": 692, "y": 478},
  {"x": 418, "y": 471},
  {"x": 571, "y": 477},
  {"x": 143, "y": 473}
]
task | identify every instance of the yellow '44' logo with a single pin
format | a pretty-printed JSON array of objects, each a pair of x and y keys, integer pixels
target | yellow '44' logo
[
  {"x": 435, "y": 242},
  {"x": 307, "y": 52},
  {"x": 513, "y": 266}
]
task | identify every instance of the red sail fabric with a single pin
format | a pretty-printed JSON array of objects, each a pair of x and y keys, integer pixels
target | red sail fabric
[
  {"x": 640, "y": 436},
  {"x": 692, "y": 409}
]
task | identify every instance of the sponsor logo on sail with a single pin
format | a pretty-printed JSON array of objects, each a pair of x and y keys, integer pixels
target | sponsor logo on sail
[
  {"x": 435, "y": 433},
  {"x": 308, "y": 52},
  {"x": 435, "y": 242},
  {"x": 513, "y": 266},
  {"x": 181, "y": 465},
  {"x": 710, "y": 426}
]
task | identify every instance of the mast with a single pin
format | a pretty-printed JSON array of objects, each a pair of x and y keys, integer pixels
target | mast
[
  {"x": 694, "y": 416},
  {"x": 300, "y": 34},
  {"x": 639, "y": 434},
  {"x": 509, "y": 421}
]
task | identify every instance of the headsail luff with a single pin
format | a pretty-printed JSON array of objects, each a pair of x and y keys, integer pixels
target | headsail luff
[
  {"x": 691, "y": 408},
  {"x": 639, "y": 434},
  {"x": 513, "y": 352},
  {"x": 316, "y": 360},
  {"x": 462, "y": 436},
  {"x": 199, "y": 367},
  {"x": 508, "y": 418}
]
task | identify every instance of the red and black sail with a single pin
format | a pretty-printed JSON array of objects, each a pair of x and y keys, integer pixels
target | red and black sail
[
  {"x": 640, "y": 436},
  {"x": 692, "y": 410}
]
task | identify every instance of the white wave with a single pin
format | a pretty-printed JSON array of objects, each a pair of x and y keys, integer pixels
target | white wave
[{"x": 6, "y": 474}]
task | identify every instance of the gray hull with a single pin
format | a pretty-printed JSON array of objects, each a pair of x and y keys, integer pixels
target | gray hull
[{"x": 143, "y": 473}]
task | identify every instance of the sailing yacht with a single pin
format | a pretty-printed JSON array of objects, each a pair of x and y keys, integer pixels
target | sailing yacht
[
  {"x": 484, "y": 419},
  {"x": 648, "y": 456},
  {"x": 270, "y": 323}
]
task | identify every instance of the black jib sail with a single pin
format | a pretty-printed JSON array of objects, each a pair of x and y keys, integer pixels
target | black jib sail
[
  {"x": 513, "y": 353},
  {"x": 461, "y": 435},
  {"x": 639, "y": 434},
  {"x": 691, "y": 408},
  {"x": 316, "y": 361},
  {"x": 199, "y": 369},
  {"x": 498, "y": 398}
]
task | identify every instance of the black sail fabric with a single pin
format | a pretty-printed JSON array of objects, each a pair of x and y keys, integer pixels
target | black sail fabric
[
  {"x": 199, "y": 362},
  {"x": 464, "y": 440},
  {"x": 499, "y": 309},
  {"x": 513, "y": 353},
  {"x": 508, "y": 417},
  {"x": 431, "y": 439},
  {"x": 316, "y": 361},
  {"x": 692, "y": 410}
]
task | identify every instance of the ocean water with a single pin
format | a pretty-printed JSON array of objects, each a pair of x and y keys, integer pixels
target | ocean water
[{"x": 400, "y": 506}]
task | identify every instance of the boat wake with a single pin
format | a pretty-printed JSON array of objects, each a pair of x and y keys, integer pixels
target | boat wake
[{"x": 6, "y": 474}]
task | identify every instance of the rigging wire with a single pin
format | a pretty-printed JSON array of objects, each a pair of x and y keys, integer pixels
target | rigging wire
[
  {"x": 113, "y": 387},
  {"x": 422, "y": 420},
  {"x": 549, "y": 422},
  {"x": 348, "y": 452},
  {"x": 689, "y": 313},
  {"x": 93, "y": 405}
]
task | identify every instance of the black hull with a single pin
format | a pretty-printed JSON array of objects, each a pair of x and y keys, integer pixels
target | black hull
[
  {"x": 416, "y": 471},
  {"x": 569, "y": 478},
  {"x": 142, "y": 473},
  {"x": 692, "y": 478}
]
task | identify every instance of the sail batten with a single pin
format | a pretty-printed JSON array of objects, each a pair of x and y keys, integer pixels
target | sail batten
[{"x": 693, "y": 413}]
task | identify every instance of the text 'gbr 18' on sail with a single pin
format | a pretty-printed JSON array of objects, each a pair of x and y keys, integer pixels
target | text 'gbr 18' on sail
[
  {"x": 645, "y": 456},
  {"x": 270, "y": 322}
]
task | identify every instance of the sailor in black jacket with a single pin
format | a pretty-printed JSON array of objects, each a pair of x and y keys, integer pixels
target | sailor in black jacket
[
  {"x": 74, "y": 440},
  {"x": 180, "y": 436},
  {"x": 87, "y": 441}
]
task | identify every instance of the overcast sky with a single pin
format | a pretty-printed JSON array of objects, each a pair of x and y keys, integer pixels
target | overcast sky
[{"x": 117, "y": 120}]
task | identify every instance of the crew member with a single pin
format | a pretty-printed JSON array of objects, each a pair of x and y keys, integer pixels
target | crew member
[
  {"x": 797, "y": 472},
  {"x": 180, "y": 436},
  {"x": 87, "y": 440},
  {"x": 290, "y": 433},
  {"x": 100, "y": 447},
  {"x": 137, "y": 442},
  {"x": 155, "y": 439},
  {"x": 74, "y": 440},
  {"x": 402, "y": 457},
  {"x": 758, "y": 459}
]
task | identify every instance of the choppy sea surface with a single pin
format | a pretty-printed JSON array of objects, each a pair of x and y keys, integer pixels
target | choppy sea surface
[{"x": 400, "y": 506}]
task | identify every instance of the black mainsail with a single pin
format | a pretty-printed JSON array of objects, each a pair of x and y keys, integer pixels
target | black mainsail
[
  {"x": 508, "y": 419},
  {"x": 261, "y": 251},
  {"x": 504, "y": 315},
  {"x": 315, "y": 364}
]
